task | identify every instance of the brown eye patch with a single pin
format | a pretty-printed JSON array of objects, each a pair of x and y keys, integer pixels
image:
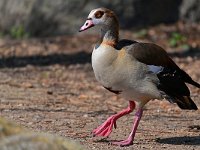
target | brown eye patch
[{"x": 98, "y": 14}]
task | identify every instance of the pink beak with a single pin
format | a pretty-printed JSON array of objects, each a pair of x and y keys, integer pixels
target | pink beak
[{"x": 88, "y": 24}]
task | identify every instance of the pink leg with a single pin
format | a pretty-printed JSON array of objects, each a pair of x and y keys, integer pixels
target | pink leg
[
  {"x": 129, "y": 140},
  {"x": 106, "y": 128}
]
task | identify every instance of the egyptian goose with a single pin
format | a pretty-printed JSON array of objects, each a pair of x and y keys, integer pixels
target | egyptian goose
[{"x": 139, "y": 72}]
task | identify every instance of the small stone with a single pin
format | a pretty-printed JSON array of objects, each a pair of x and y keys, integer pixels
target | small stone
[{"x": 85, "y": 115}]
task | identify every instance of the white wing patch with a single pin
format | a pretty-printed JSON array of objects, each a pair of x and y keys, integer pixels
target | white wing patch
[{"x": 155, "y": 69}]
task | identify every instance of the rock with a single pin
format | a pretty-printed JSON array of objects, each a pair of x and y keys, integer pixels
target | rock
[
  {"x": 14, "y": 137},
  {"x": 50, "y": 17},
  {"x": 9, "y": 129},
  {"x": 37, "y": 141}
]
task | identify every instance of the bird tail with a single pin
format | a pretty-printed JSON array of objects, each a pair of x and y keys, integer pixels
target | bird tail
[
  {"x": 185, "y": 102},
  {"x": 194, "y": 83},
  {"x": 188, "y": 79}
]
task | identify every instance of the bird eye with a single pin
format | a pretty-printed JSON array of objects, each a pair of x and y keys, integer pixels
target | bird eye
[{"x": 98, "y": 14}]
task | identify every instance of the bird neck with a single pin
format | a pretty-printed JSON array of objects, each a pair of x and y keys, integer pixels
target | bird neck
[{"x": 110, "y": 35}]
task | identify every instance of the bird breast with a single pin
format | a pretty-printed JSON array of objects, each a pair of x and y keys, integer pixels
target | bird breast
[
  {"x": 114, "y": 68},
  {"x": 102, "y": 63}
]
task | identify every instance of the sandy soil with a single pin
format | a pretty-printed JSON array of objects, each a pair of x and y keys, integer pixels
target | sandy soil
[{"x": 48, "y": 85}]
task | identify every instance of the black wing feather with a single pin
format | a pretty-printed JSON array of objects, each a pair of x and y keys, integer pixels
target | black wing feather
[{"x": 175, "y": 88}]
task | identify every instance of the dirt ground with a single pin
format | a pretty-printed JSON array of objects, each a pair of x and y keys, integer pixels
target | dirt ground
[{"x": 48, "y": 85}]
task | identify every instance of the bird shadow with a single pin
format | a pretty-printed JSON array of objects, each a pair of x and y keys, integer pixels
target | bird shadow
[{"x": 184, "y": 140}]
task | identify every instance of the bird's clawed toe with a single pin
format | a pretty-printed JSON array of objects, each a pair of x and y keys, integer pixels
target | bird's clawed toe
[
  {"x": 106, "y": 128},
  {"x": 126, "y": 142}
]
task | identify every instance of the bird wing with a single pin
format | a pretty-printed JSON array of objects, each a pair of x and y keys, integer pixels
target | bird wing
[
  {"x": 171, "y": 78},
  {"x": 152, "y": 54}
]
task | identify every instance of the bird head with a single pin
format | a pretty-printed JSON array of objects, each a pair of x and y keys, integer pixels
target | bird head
[{"x": 100, "y": 17}]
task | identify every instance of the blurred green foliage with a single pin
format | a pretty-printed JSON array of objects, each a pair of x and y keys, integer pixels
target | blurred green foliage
[
  {"x": 177, "y": 39},
  {"x": 1, "y": 34},
  {"x": 141, "y": 33},
  {"x": 18, "y": 32}
]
